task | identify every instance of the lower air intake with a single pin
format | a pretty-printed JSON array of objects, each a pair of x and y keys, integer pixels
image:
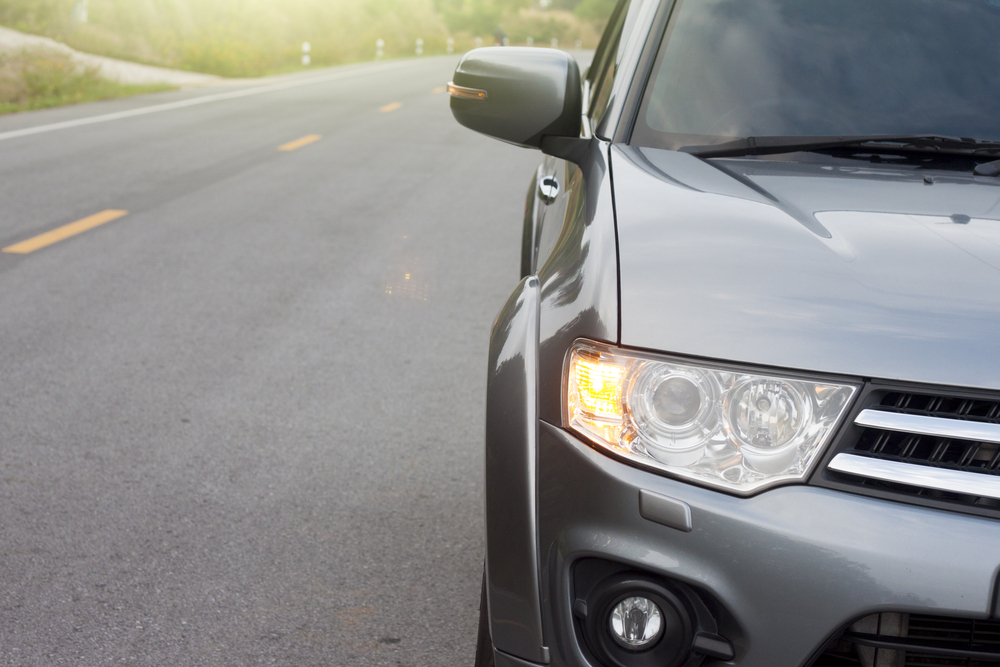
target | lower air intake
[{"x": 915, "y": 640}]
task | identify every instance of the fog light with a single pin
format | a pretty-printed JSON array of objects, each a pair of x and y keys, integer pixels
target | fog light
[{"x": 636, "y": 623}]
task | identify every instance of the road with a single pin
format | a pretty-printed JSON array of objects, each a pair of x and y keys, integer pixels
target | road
[{"x": 241, "y": 418}]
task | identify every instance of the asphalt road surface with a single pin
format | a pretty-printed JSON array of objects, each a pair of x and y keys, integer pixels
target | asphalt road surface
[{"x": 241, "y": 411}]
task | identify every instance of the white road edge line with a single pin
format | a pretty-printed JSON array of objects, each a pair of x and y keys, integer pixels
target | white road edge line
[{"x": 205, "y": 99}]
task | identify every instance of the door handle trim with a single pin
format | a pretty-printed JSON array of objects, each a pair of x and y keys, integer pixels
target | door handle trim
[{"x": 548, "y": 189}]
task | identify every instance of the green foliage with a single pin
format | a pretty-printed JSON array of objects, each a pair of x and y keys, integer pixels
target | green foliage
[
  {"x": 35, "y": 80},
  {"x": 478, "y": 16},
  {"x": 235, "y": 37},
  {"x": 595, "y": 10},
  {"x": 257, "y": 37},
  {"x": 34, "y": 15},
  {"x": 543, "y": 26}
]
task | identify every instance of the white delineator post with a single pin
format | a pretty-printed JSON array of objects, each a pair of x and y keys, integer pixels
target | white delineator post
[
  {"x": 555, "y": 43},
  {"x": 479, "y": 42},
  {"x": 420, "y": 47},
  {"x": 579, "y": 44},
  {"x": 530, "y": 41},
  {"x": 379, "y": 48},
  {"x": 451, "y": 45},
  {"x": 306, "y": 50},
  {"x": 80, "y": 11}
]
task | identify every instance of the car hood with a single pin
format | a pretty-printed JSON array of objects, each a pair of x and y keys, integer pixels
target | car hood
[{"x": 862, "y": 270}]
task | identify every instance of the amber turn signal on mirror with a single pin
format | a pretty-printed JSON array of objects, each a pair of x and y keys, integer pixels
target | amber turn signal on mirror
[{"x": 465, "y": 93}]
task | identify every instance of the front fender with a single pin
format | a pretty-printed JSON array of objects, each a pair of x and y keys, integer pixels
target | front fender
[
  {"x": 531, "y": 214},
  {"x": 535, "y": 213},
  {"x": 512, "y": 570}
]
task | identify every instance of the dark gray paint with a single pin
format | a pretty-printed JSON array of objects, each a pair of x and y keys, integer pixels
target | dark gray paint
[
  {"x": 548, "y": 235},
  {"x": 506, "y": 660},
  {"x": 579, "y": 284},
  {"x": 511, "y": 433},
  {"x": 805, "y": 267},
  {"x": 531, "y": 93},
  {"x": 766, "y": 558},
  {"x": 579, "y": 297},
  {"x": 533, "y": 211},
  {"x": 996, "y": 600},
  {"x": 849, "y": 269},
  {"x": 666, "y": 511},
  {"x": 534, "y": 217},
  {"x": 790, "y": 566}
]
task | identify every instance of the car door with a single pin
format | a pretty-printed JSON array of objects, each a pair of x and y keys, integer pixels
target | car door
[{"x": 556, "y": 180}]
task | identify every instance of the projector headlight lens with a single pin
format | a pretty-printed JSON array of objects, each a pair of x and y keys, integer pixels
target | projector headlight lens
[{"x": 734, "y": 429}]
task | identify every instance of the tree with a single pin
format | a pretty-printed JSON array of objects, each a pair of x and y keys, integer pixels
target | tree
[
  {"x": 477, "y": 16},
  {"x": 34, "y": 15},
  {"x": 595, "y": 9}
]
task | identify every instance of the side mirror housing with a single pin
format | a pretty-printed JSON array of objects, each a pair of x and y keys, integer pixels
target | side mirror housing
[{"x": 519, "y": 95}]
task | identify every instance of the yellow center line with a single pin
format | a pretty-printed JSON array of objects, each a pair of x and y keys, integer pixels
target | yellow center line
[
  {"x": 438, "y": 90},
  {"x": 299, "y": 143},
  {"x": 64, "y": 232},
  {"x": 390, "y": 107}
]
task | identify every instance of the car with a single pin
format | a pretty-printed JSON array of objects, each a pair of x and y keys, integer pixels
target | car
[{"x": 743, "y": 407}]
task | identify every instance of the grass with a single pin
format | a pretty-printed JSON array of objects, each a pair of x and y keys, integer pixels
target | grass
[
  {"x": 36, "y": 80},
  {"x": 543, "y": 26},
  {"x": 234, "y": 38},
  {"x": 244, "y": 38}
]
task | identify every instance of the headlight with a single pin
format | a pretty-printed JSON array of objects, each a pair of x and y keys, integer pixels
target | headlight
[{"x": 725, "y": 427}]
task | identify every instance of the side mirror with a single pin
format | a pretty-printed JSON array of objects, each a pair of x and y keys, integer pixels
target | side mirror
[{"x": 519, "y": 95}]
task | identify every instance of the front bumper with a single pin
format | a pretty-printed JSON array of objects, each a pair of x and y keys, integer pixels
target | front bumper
[{"x": 788, "y": 568}]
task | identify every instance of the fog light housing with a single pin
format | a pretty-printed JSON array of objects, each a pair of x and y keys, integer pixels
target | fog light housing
[
  {"x": 636, "y": 623},
  {"x": 629, "y": 618}
]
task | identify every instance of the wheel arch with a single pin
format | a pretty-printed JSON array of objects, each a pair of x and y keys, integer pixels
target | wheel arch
[{"x": 512, "y": 568}]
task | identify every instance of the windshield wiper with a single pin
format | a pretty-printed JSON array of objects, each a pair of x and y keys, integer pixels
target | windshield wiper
[{"x": 876, "y": 143}]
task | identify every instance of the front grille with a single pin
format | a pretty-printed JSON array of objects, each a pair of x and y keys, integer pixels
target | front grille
[
  {"x": 938, "y": 448},
  {"x": 932, "y": 450},
  {"x": 914, "y": 640}
]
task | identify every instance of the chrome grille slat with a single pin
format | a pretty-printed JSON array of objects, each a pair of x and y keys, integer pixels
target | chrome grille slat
[
  {"x": 940, "y": 427},
  {"x": 940, "y": 449},
  {"x": 923, "y": 476}
]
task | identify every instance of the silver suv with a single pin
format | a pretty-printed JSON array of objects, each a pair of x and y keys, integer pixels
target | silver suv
[{"x": 744, "y": 405}]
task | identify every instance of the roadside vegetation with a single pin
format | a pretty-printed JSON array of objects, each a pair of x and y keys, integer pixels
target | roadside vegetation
[
  {"x": 257, "y": 37},
  {"x": 39, "y": 79}
]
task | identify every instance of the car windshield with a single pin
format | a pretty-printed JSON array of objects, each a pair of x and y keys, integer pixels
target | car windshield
[{"x": 753, "y": 68}]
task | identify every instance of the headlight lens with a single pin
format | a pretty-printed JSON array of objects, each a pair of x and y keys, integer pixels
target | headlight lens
[{"x": 726, "y": 427}]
